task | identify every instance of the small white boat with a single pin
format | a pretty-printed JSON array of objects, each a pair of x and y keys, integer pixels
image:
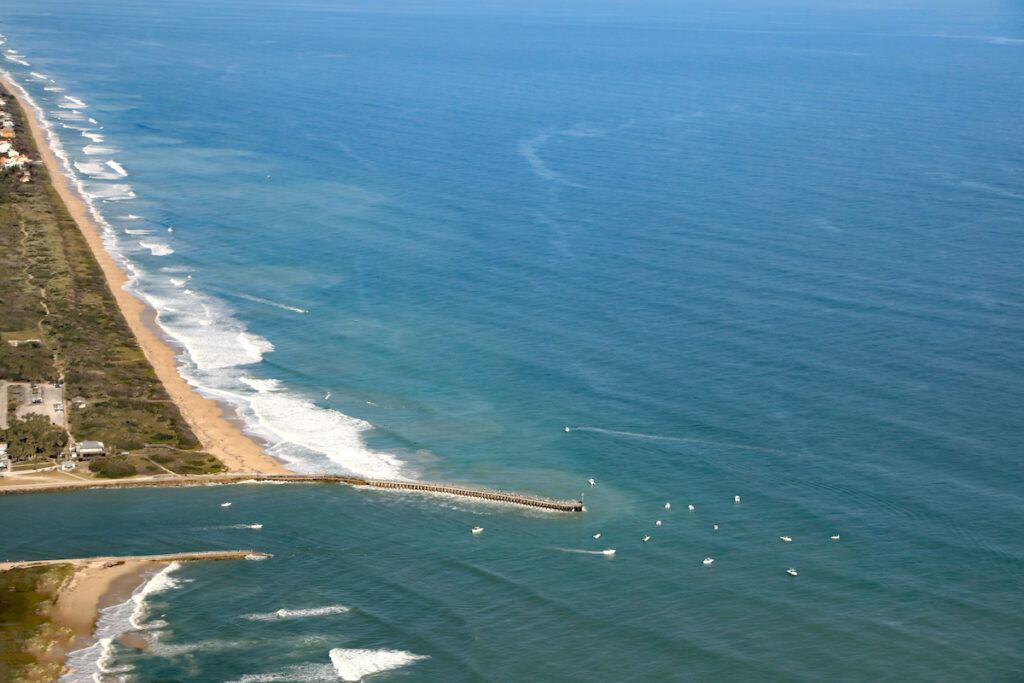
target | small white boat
[
  {"x": 668, "y": 506},
  {"x": 787, "y": 539},
  {"x": 225, "y": 505},
  {"x": 691, "y": 508},
  {"x": 835, "y": 537},
  {"x": 716, "y": 527},
  {"x": 658, "y": 523},
  {"x": 737, "y": 499},
  {"x": 597, "y": 536},
  {"x": 327, "y": 396},
  {"x": 566, "y": 430},
  {"x": 255, "y": 526},
  {"x": 478, "y": 529},
  {"x": 592, "y": 482},
  {"x": 791, "y": 571},
  {"x": 708, "y": 561},
  {"x": 646, "y": 538},
  {"x": 608, "y": 551}
]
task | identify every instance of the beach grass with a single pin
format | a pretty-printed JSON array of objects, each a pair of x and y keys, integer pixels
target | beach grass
[{"x": 26, "y": 630}]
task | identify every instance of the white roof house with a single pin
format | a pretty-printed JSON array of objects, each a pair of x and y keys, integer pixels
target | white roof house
[{"x": 83, "y": 448}]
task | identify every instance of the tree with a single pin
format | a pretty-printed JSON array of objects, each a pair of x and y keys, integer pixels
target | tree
[{"x": 34, "y": 437}]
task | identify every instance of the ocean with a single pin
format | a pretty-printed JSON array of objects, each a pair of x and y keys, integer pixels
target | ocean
[{"x": 693, "y": 251}]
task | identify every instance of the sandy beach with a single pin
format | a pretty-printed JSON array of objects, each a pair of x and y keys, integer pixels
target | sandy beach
[
  {"x": 210, "y": 421},
  {"x": 96, "y": 583}
]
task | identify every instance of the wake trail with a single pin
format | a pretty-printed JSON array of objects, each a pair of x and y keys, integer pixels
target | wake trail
[
  {"x": 268, "y": 302},
  {"x": 682, "y": 439}
]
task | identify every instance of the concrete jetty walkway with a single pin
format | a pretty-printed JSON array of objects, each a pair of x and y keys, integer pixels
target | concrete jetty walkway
[{"x": 465, "y": 491}]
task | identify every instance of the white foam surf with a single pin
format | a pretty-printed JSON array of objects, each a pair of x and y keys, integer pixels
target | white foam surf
[
  {"x": 138, "y": 232},
  {"x": 97, "y": 661},
  {"x": 305, "y": 435},
  {"x": 42, "y": 77},
  {"x": 53, "y": 88},
  {"x": 95, "y": 170},
  {"x": 109, "y": 192},
  {"x": 289, "y": 419},
  {"x": 162, "y": 582},
  {"x": 73, "y": 102},
  {"x": 118, "y": 168},
  {"x": 353, "y": 664},
  {"x": 157, "y": 248},
  {"x": 297, "y": 613}
]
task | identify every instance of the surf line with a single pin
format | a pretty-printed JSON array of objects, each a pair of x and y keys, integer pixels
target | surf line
[{"x": 657, "y": 437}]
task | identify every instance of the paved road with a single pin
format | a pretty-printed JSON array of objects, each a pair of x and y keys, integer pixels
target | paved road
[{"x": 3, "y": 405}]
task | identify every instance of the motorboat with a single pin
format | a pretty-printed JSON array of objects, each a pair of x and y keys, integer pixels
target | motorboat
[
  {"x": 791, "y": 571},
  {"x": 646, "y": 538},
  {"x": 708, "y": 561},
  {"x": 835, "y": 537},
  {"x": 478, "y": 529},
  {"x": 787, "y": 539},
  {"x": 225, "y": 505},
  {"x": 608, "y": 551}
]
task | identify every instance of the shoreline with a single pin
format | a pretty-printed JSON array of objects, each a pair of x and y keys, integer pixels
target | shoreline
[
  {"x": 212, "y": 422},
  {"x": 94, "y": 584}
]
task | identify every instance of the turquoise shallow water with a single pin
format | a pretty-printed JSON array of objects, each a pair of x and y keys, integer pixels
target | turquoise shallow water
[{"x": 767, "y": 251}]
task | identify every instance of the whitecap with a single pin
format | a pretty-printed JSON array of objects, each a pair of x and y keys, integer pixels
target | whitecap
[
  {"x": 96, "y": 149},
  {"x": 262, "y": 385},
  {"x": 138, "y": 232},
  {"x": 95, "y": 169},
  {"x": 118, "y": 168},
  {"x": 95, "y": 137},
  {"x": 42, "y": 77},
  {"x": 74, "y": 102},
  {"x": 109, "y": 192},
  {"x": 354, "y": 664},
  {"x": 157, "y": 248}
]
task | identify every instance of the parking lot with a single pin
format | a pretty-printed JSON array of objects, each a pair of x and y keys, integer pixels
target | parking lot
[{"x": 38, "y": 399}]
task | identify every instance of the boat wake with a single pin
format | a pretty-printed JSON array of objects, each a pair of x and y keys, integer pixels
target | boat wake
[
  {"x": 297, "y": 613},
  {"x": 682, "y": 439}
]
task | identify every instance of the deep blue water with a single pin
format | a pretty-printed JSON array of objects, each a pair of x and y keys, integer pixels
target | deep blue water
[{"x": 770, "y": 250}]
